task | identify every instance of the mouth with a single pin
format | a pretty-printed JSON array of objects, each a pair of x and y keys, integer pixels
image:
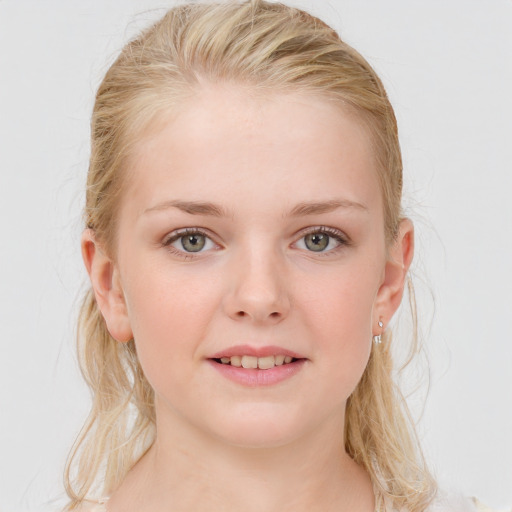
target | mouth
[
  {"x": 257, "y": 366},
  {"x": 253, "y": 362}
]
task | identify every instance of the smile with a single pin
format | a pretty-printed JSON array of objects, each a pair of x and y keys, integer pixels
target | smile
[
  {"x": 262, "y": 363},
  {"x": 257, "y": 366}
]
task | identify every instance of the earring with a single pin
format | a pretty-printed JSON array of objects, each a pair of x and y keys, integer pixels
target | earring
[{"x": 377, "y": 339}]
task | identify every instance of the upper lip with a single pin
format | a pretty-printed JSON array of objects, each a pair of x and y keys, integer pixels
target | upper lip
[{"x": 248, "y": 350}]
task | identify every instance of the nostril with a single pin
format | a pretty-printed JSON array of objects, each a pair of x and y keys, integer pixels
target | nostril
[{"x": 274, "y": 314}]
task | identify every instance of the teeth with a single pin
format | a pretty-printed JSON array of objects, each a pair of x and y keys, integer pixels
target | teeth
[
  {"x": 235, "y": 361},
  {"x": 263, "y": 363},
  {"x": 279, "y": 360},
  {"x": 249, "y": 362}
]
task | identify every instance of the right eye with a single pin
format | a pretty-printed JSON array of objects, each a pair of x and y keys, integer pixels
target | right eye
[{"x": 190, "y": 241}]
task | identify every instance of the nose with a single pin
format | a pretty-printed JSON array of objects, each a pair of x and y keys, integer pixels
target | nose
[{"x": 258, "y": 288}]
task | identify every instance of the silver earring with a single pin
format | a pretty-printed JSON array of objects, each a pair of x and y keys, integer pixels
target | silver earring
[{"x": 377, "y": 339}]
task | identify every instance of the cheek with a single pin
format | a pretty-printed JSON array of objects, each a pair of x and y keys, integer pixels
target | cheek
[
  {"x": 340, "y": 302},
  {"x": 338, "y": 315},
  {"x": 169, "y": 316}
]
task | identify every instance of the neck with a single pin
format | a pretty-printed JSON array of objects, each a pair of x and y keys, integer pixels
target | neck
[{"x": 186, "y": 470}]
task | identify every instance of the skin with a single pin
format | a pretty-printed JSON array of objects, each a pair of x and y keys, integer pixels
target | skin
[{"x": 221, "y": 445}]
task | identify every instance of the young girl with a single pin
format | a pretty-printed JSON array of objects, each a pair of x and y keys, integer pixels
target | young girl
[{"x": 247, "y": 252}]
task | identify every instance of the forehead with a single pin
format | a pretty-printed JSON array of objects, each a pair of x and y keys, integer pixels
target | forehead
[{"x": 228, "y": 140}]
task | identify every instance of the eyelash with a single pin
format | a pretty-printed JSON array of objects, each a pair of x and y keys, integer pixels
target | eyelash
[{"x": 336, "y": 234}]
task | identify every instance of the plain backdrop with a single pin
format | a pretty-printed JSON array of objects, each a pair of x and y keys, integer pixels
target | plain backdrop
[{"x": 447, "y": 65}]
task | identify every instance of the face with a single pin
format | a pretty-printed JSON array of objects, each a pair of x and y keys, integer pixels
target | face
[{"x": 251, "y": 265}]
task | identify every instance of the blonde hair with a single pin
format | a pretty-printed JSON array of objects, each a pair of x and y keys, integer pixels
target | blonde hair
[{"x": 268, "y": 47}]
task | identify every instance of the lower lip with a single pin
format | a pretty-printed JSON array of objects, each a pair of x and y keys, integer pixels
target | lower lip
[{"x": 254, "y": 377}]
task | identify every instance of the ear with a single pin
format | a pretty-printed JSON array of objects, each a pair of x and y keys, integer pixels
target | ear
[
  {"x": 399, "y": 260},
  {"x": 107, "y": 287}
]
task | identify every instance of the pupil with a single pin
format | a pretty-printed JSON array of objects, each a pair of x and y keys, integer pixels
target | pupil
[
  {"x": 317, "y": 241},
  {"x": 193, "y": 243}
]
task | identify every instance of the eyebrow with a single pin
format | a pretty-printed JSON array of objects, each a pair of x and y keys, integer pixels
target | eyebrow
[
  {"x": 317, "y": 207},
  {"x": 301, "y": 209},
  {"x": 191, "y": 207}
]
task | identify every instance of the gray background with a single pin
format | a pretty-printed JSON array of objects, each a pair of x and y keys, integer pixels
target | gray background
[{"x": 447, "y": 66}]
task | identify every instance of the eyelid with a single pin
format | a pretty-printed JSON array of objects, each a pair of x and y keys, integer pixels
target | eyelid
[
  {"x": 335, "y": 232},
  {"x": 178, "y": 233}
]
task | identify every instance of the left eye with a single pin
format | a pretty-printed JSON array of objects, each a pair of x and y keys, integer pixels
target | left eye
[
  {"x": 319, "y": 241},
  {"x": 191, "y": 242}
]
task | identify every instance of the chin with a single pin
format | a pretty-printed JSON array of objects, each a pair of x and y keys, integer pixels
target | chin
[{"x": 267, "y": 426}]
